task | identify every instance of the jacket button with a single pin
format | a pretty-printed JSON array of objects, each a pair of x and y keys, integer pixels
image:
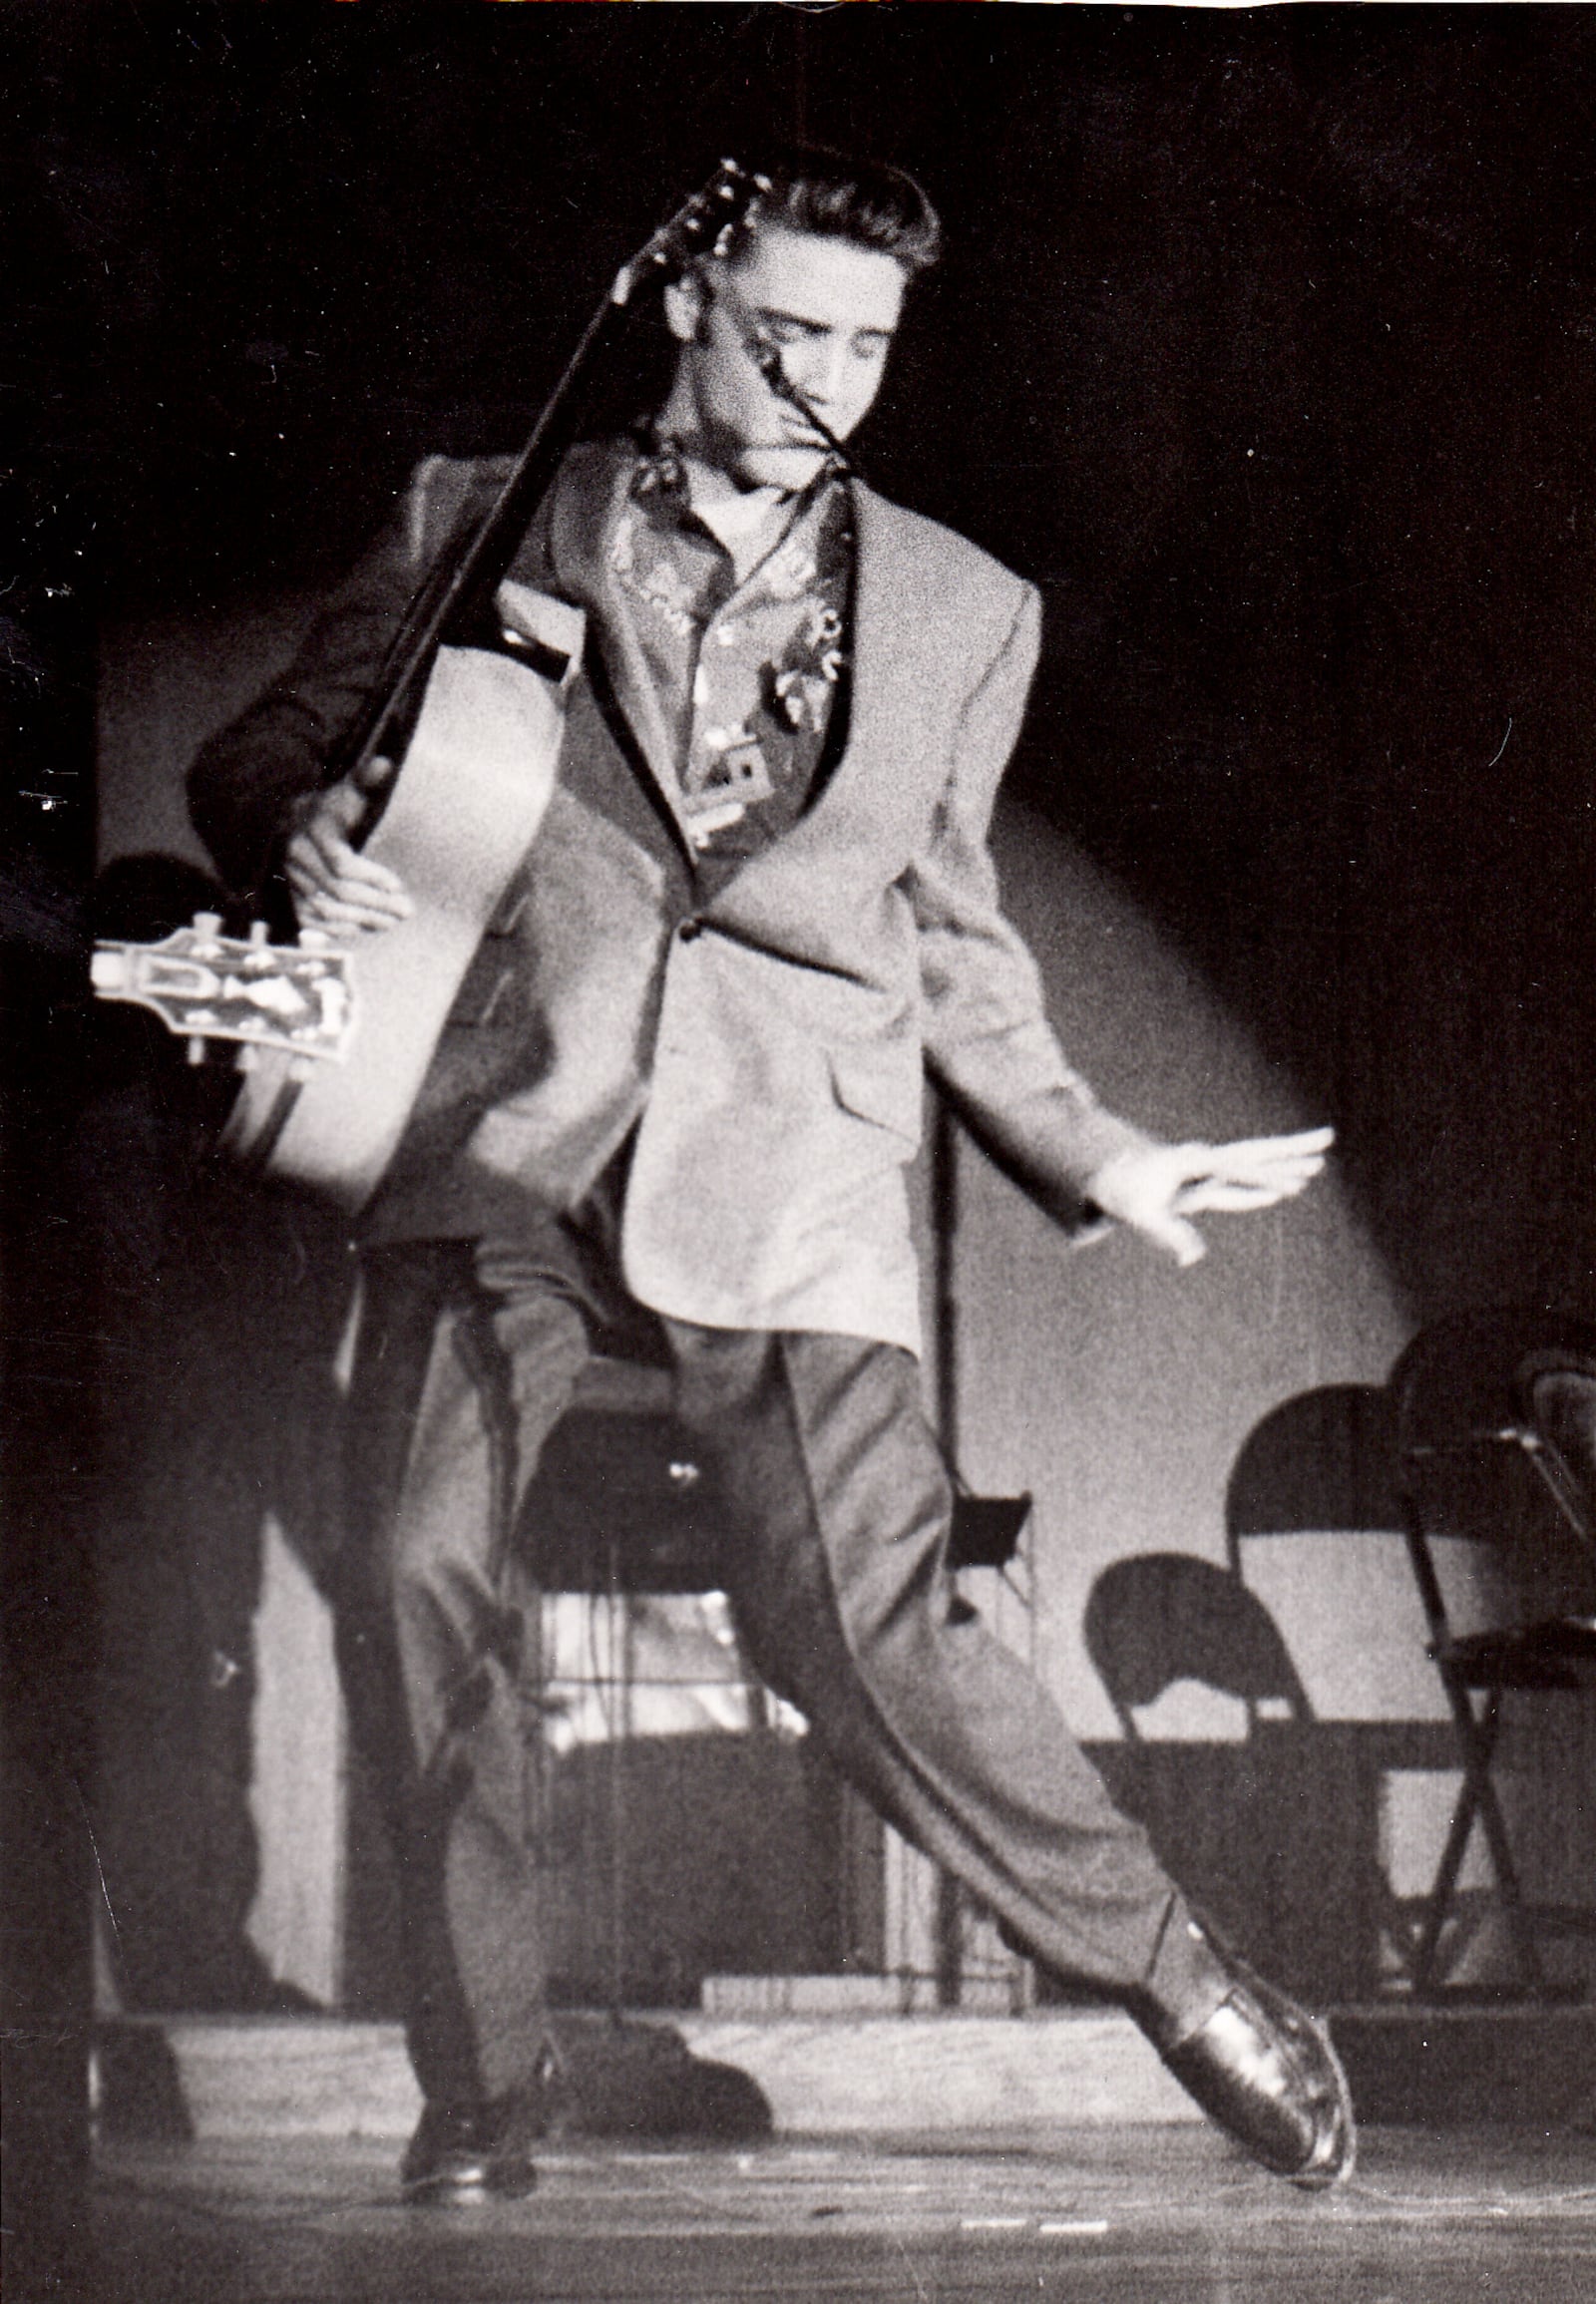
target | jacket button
[{"x": 690, "y": 928}]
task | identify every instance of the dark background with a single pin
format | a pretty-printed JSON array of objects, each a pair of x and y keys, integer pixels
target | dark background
[{"x": 1264, "y": 345}]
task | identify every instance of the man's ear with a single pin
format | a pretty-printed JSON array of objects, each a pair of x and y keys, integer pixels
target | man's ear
[{"x": 685, "y": 306}]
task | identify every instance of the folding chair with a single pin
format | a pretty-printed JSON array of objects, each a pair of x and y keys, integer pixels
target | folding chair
[{"x": 1496, "y": 1443}]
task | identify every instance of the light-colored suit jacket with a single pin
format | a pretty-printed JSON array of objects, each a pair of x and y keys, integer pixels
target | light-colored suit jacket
[{"x": 765, "y": 1051}]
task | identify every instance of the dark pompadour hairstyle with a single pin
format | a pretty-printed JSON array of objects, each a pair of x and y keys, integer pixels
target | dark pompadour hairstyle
[{"x": 867, "y": 201}]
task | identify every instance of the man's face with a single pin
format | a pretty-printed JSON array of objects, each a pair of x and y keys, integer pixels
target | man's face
[{"x": 829, "y": 306}]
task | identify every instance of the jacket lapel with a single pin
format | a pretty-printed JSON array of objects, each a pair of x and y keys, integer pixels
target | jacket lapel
[
  {"x": 875, "y": 673},
  {"x": 897, "y": 726}
]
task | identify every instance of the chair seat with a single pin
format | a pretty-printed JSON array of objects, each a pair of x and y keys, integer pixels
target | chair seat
[{"x": 1558, "y": 1653}]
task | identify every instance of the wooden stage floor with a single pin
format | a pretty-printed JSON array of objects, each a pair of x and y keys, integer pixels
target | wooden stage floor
[{"x": 1105, "y": 2215}]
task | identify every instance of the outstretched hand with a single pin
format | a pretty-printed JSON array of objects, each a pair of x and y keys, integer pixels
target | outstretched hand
[
  {"x": 1156, "y": 1189},
  {"x": 336, "y": 888}
]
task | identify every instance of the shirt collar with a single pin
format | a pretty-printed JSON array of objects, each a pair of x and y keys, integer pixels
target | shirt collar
[
  {"x": 660, "y": 469},
  {"x": 661, "y": 472}
]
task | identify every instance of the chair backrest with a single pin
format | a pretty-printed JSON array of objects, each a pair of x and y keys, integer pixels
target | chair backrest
[
  {"x": 1558, "y": 1392},
  {"x": 1320, "y": 1471},
  {"x": 1460, "y": 1378},
  {"x": 1322, "y": 1462},
  {"x": 1495, "y": 1416},
  {"x": 1161, "y": 1617}
]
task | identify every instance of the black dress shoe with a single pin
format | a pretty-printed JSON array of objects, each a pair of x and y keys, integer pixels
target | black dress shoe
[
  {"x": 1264, "y": 2069},
  {"x": 463, "y": 2152}
]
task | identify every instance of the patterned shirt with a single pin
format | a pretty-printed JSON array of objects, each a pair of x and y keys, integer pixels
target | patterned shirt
[{"x": 747, "y": 673}]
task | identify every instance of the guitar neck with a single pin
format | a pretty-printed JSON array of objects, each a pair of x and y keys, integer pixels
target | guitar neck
[{"x": 455, "y": 604}]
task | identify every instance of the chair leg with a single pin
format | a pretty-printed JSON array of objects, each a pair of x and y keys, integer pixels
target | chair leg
[
  {"x": 1397, "y": 1925},
  {"x": 1477, "y": 1801},
  {"x": 1509, "y": 1891},
  {"x": 1443, "y": 1890}
]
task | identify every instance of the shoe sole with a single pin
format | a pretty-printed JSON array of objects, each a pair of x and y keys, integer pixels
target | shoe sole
[
  {"x": 1311, "y": 2179},
  {"x": 446, "y": 2188}
]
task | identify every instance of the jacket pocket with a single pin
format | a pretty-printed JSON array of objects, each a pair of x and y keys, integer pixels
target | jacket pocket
[{"x": 881, "y": 1083}]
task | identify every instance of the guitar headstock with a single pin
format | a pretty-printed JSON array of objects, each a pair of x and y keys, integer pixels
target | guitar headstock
[
  {"x": 203, "y": 986},
  {"x": 702, "y": 225}
]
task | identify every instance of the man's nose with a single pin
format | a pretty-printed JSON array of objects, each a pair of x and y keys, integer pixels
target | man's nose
[{"x": 817, "y": 374}]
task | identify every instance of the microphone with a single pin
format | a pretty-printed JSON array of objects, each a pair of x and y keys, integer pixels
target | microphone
[{"x": 766, "y": 358}]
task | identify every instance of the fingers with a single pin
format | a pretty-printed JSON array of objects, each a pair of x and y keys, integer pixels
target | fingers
[
  {"x": 340, "y": 807},
  {"x": 1306, "y": 1143},
  {"x": 1212, "y": 1194},
  {"x": 1222, "y": 1189},
  {"x": 335, "y": 887},
  {"x": 1171, "y": 1232},
  {"x": 1254, "y": 1173},
  {"x": 1262, "y": 1160},
  {"x": 335, "y": 866},
  {"x": 1140, "y": 1188},
  {"x": 342, "y": 916},
  {"x": 328, "y": 872},
  {"x": 1156, "y": 1190},
  {"x": 374, "y": 774}
]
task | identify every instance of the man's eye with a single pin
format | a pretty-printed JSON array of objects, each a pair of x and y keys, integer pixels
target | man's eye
[{"x": 786, "y": 331}]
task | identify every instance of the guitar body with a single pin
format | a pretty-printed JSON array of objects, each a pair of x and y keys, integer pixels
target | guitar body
[{"x": 462, "y": 815}]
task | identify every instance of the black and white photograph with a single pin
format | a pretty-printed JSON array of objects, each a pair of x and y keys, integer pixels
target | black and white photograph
[{"x": 798, "y": 1146}]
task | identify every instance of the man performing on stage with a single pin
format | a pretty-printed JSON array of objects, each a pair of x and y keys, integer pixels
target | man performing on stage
[{"x": 671, "y": 1112}]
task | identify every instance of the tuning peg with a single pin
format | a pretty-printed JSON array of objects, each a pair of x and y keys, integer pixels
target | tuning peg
[
  {"x": 258, "y": 932},
  {"x": 208, "y": 922},
  {"x": 196, "y": 1050},
  {"x": 247, "y": 1059}
]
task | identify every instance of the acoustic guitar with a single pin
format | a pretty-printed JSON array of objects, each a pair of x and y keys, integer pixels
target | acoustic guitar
[{"x": 471, "y": 701}]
